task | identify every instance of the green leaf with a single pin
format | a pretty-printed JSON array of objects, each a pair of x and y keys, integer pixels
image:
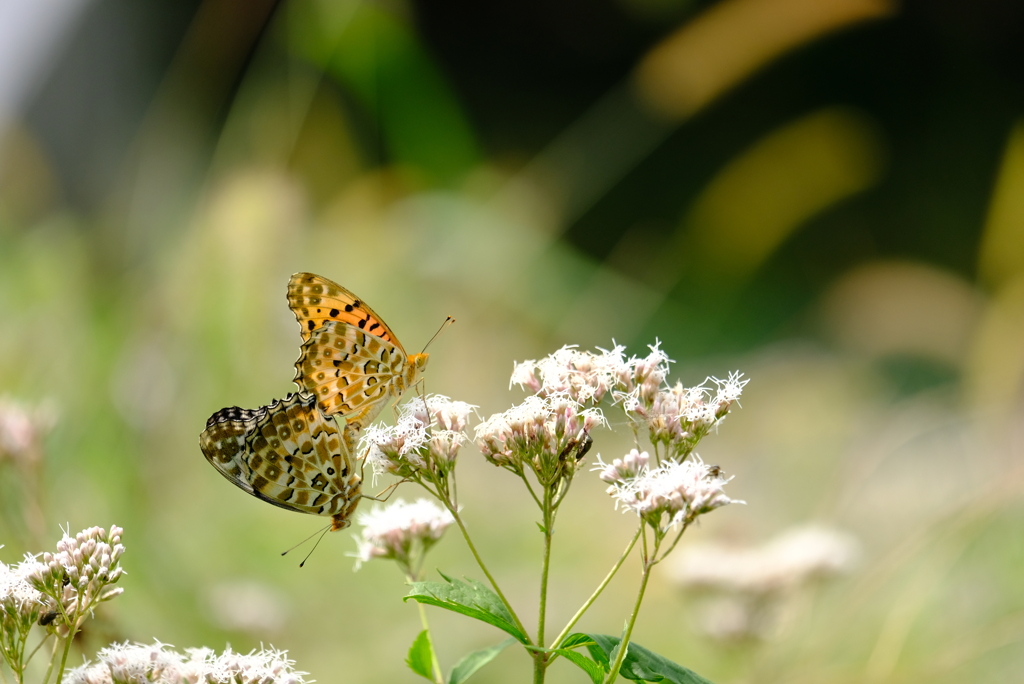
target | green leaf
[
  {"x": 595, "y": 670},
  {"x": 639, "y": 665},
  {"x": 470, "y": 598},
  {"x": 472, "y": 662},
  {"x": 419, "y": 659}
]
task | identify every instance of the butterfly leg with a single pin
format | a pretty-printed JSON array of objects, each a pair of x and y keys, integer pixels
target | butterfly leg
[{"x": 389, "y": 490}]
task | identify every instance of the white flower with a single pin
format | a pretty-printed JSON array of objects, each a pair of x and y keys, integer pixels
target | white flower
[
  {"x": 402, "y": 531},
  {"x": 439, "y": 411},
  {"x": 729, "y": 391},
  {"x": 257, "y": 667},
  {"x": 17, "y": 596},
  {"x": 138, "y": 663},
  {"x": 622, "y": 469},
  {"x": 649, "y": 373},
  {"x": 582, "y": 375},
  {"x": 679, "y": 416},
  {"x": 80, "y": 573},
  {"x": 395, "y": 448},
  {"x": 537, "y": 433},
  {"x": 426, "y": 436},
  {"x": 679, "y": 490}
]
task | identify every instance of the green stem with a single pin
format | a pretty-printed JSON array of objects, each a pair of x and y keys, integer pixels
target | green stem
[
  {"x": 624, "y": 643},
  {"x": 38, "y": 646},
  {"x": 64, "y": 658},
  {"x": 480, "y": 562},
  {"x": 540, "y": 658},
  {"x": 628, "y": 632},
  {"x": 686, "y": 523},
  {"x": 13, "y": 660},
  {"x": 14, "y": 655},
  {"x": 526, "y": 481},
  {"x": 597, "y": 592},
  {"x": 53, "y": 657},
  {"x": 434, "y": 664}
]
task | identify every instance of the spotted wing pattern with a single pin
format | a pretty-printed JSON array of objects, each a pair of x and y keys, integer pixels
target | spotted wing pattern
[
  {"x": 352, "y": 374},
  {"x": 315, "y": 300},
  {"x": 287, "y": 454}
]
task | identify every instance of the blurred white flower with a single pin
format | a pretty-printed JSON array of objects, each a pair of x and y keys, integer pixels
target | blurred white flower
[
  {"x": 402, "y": 531},
  {"x": 22, "y": 429},
  {"x": 784, "y": 562},
  {"x": 746, "y": 587},
  {"x": 248, "y": 606},
  {"x": 157, "y": 663}
]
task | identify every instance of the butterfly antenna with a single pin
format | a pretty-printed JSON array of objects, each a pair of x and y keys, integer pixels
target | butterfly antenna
[
  {"x": 447, "y": 321},
  {"x": 320, "y": 532},
  {"x": 314, "y": 546}
]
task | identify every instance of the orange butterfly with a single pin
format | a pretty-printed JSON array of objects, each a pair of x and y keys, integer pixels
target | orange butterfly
[{"x": 350, "y": 360}]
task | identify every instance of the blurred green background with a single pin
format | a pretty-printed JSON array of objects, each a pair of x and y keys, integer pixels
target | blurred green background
[{"x": 825, "y": 194}]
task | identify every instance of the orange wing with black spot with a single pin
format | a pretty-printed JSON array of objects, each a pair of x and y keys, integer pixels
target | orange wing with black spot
[
  {"x": 315, "y": 300},
  {"x": 288, "y": 454},
  {"x": 353, "y": 374}
]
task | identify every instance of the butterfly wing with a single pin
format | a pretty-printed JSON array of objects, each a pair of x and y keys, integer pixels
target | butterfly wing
[
  {"x": 287, "y": 454},
  {"x": 350, "y": 372},
  {"x": 223, "y": 443},
  {"x": 315, "y": 300}
]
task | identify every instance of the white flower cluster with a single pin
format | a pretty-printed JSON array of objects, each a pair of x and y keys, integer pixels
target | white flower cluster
[
  {"x": 679, "y": 416},
  {"x": 22, "y": 428},
  {"x": 675, "y": 416},
  {"x": 674, "y": 492},
  {"x": 425, "y": 439},
  {"x": 582, "y": 375},
  {"x": 622, "y": 469},
  {"x": 140, "y": 663},
  {"x": 402, "y": 531},
  {"x": 539, "y": 434},
  {"x": 20, "y": 608},
  {"x": 745, "y": 592},
  {"x": 796, "y": 557},
  {"x": 17, "y": 597},
  {"x": 79, "y": 573}
]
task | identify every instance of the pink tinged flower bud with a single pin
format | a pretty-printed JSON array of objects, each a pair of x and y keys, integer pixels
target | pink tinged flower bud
[{"x": 524, "y": 375}]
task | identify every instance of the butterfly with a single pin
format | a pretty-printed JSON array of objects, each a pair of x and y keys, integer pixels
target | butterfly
[
  {"x": 350, "y": 359},
  {"x": 288, "y": 454}
]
